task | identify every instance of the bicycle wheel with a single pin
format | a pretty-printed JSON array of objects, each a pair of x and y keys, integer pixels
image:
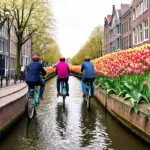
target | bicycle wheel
[
  {"x": 88, "y": 100},
  {"x": 30, "y": 108}
]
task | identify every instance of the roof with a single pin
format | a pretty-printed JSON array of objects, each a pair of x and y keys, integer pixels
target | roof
[
  {"x": 109, "y": 17},
  {"x": 124, "y": 8}
]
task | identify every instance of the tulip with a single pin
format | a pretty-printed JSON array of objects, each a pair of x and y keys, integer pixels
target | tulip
[
  {"x": 145, "y": 83},
  {"x": 145, "y": 68}
]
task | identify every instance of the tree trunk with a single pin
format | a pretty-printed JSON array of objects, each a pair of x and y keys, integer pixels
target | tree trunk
[{"x": 18, "y": 58}]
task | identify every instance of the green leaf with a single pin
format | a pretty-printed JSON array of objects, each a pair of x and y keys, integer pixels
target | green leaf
[
  {"x": 122, "y": 93},
  {"x": 127, "y": 96}
]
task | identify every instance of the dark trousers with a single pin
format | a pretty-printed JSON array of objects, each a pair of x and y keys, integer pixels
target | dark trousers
[
  {"x": 84, "y": 85},
  {"x": 40, "y": 83},
  {"x": 66, "y": 83}
]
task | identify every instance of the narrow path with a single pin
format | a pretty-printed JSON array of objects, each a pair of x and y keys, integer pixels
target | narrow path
[{"x": 72, "y": 128}]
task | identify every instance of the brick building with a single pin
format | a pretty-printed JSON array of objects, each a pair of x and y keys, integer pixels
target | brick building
[
  {"x": 140, "y": 14},
  {"x": 106, "y": 34},
  {"x": 126, "y": 29},
  {"x": 113, "y": 29}
]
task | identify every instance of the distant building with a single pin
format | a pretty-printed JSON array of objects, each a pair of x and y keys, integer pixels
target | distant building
[
  {"x": 126, "y": 28},
  {"x": 106, "y": 34}
]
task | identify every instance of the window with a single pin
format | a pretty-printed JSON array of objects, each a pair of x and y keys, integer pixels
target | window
[
  {"x": 118, "y": 45},
  {"x": 130, "y": 41},
  {"x": 129, "y": 24},
  {"x": 137, "y": 12},
  {"x": 135, "y": 36},
  {"x": 134, "y": 15},
  {"x": 145, "y": 5},
  {"x": 118, "y": 31},
  {"x": 146, "y": 29},
  {"x": 141, "y": 9},
  {"x": 141, "y": 33}
]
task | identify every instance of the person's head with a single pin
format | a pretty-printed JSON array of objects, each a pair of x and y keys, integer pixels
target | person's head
[
  {"x": 62, "y": 59},
  {"x": 36, "y": 58},
  {"x": 87, "y": 58}
]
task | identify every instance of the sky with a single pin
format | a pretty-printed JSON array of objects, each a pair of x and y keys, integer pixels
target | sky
[{"x": 75, "y": 20}]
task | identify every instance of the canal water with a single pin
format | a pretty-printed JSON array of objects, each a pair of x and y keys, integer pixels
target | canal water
[{"x": 70, "y": 128}]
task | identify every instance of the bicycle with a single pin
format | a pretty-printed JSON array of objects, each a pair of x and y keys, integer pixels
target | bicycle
[
  {"x": 63, "y": 90},
  {"x": 88, "y": 93},
  {"x": 31, "y": 102}
]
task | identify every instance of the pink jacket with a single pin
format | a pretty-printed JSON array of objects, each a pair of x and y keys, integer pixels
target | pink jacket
[{"x": 62, "y": 70}]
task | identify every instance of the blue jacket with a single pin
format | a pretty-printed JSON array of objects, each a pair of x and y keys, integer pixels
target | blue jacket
[
  {"x": 33, "y": 72},
  {"x": 88, "y": 69}
]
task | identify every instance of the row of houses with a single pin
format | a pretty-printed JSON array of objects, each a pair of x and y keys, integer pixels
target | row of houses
[
  {"x": 127, "y": 27},
  {"x": 7, "y": 59}
]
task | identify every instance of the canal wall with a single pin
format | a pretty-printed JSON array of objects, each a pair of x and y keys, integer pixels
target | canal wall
[
  {"x": 12, "y": 104},
  {"x": 138, "y": 123}
]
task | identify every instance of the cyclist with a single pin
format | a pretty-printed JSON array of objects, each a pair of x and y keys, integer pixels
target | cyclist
[
  {"x": 89, "y": 72},
  {"x": 62, "y": 70},
  {"x": 33, "y": 75}
]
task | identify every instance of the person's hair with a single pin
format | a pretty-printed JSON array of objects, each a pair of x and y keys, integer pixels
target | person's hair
[
  {"x": 36, "y": 58},
  {"x": 62, "y": 59},
  {"x": 87, "y": 58}
]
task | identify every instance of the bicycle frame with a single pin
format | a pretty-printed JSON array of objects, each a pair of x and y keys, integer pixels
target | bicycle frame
[
  {"x": 63, "y": 88},
  {"x": 88, "y": 93},
  {"x": 31, "y": 102}
]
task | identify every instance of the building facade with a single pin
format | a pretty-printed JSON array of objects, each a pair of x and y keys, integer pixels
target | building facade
[
  {"x": 140, "y": 22},
  {"x": 126, "y": 30},
  {"x": 13, "y": 51},
  {"x": 115, "y": 40},
  {"x": 113, "y": 29},
  {"x": 135, "y": 30},
  {"x": 7, "y": 62},
  {"x": 106, "y": 34},
  {"x": 3, "y": 50}
]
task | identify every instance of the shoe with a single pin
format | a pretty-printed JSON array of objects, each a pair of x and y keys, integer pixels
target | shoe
[
  {"x": 41, "y": 99},
  {"x": 58, "y": 94},
  {"x": 67, "y": 94},
  {"x": 84, "y": 95}
]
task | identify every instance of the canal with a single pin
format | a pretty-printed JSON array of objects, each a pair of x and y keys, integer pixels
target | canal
[{"x": 70, "y": 128}]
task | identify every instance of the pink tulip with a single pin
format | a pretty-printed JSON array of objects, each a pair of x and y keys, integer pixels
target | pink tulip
[
  {"x": 145, "y": 83},
  {"x": 148, "y": 63},
  {"x": 145, "y": 68}
]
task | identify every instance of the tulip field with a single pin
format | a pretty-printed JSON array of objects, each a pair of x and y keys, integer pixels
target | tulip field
[
  {"x": 125, "y": 73},
  {"x": 50, "y": 69}
]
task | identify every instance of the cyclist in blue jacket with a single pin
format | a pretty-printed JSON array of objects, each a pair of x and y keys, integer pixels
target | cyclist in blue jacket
[
  {"x": 33, "y": 75},
  {"x": 88, "y": 69}
]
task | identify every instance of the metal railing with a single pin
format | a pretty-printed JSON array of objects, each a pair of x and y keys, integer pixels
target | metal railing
[{"x": 13, "y": 79}]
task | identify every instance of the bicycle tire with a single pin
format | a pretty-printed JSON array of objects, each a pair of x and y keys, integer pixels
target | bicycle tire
[
  {"x": 30, "y": 108},
  {"x": 88, "y": 100}
]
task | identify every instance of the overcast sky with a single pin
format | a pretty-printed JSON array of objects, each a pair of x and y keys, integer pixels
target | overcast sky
[{"x": 75, "y": 19}]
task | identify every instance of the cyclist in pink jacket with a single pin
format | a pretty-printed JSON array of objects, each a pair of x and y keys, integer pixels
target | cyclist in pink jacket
[{"x": 62, "y": 70}]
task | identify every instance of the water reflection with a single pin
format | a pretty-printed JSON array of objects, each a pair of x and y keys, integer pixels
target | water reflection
[
  {"x": 61, "y": 119},
  {"x": 88, "y": 125}
]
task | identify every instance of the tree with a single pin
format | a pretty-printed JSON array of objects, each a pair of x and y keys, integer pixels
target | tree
[
  {"x": 93, "y": 47},
  {"x": 30, "y": 16}
]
